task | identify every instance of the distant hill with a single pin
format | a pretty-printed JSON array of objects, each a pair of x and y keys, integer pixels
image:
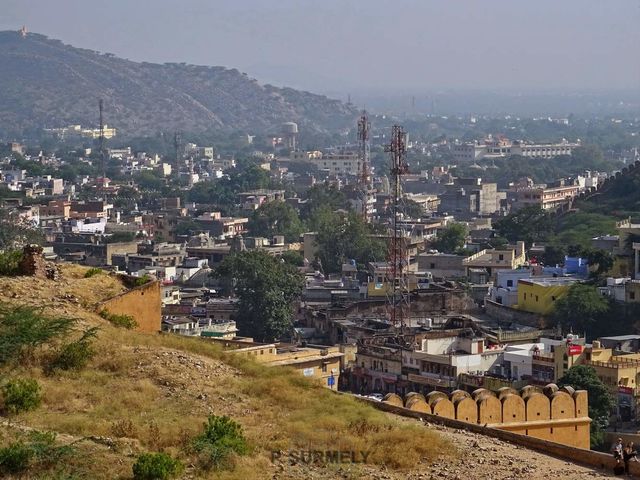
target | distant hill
[{"x": 45, "y": 83}]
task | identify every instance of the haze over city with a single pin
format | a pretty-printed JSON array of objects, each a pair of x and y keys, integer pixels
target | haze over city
[
  {"x": 338, "y": 46},
  {"x": 215, "y": 216}
]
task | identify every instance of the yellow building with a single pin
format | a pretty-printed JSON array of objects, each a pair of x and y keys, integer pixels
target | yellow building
[
  {"x": 539, "y": 296},
  {"x": 322, "y": 363},
  {"x": 621, "y": 374}
]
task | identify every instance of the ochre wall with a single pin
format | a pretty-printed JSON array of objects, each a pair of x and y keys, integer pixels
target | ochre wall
[
  {"x": 142, "y": 303},
  {"x": 556, "y": 415}
]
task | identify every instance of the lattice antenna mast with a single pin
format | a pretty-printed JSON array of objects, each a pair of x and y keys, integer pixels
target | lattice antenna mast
[
  {"x": 177, "y": 142},
  {"x": 101, "y": 139},
  {"x": 364, "y": 134},
  {"x": 396, "y": 275}
]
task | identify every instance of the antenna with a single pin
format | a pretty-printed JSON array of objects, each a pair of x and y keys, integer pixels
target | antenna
[
  {"x": 364, "y": 181},
  {"x": 177, "y": 142},
  {"x": 101, "y": 140},
  {"x": 398, "y": 294}
]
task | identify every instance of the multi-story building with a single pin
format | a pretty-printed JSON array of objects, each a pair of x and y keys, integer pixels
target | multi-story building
[
  {"x": 490, "y": 261},
  {"x": 547, "y": 198},
  {"x": 470, "y": 196},
  {"x": 442, "y": 265},
  {"x": 501, "y": 147},
  {"x": 339, "y": 164},
  {"x": 540, "y": 295}
]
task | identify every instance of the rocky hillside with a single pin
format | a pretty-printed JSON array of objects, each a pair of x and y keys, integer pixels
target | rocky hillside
[
  {"x": 45, "y": 83},
  {"x": 147, "y": 393}
]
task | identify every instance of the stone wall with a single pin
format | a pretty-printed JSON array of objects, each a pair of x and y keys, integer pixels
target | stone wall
[
  {"x": 556, "y": 415},
  {"x": 142, "y": 303},
  {"x": 508, "y": 314},
  {"x": 574, "y": 454}
]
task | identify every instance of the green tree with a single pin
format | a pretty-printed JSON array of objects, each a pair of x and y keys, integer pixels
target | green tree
[
  {"x": 451, "y": 238},
  {"x": 188, "y": 226},
  {"x": 554, "y": 254},
  {"x": 323, "y": 196},
  {"x": 412, "y": 209},
  {"x": 531, "y": 224},
  {"x": 276, "y": 218},
  {"x": 581, "y": 308},
  {"x": 293, "y": 257},
  {"x": 266, "y": 288},
  {"x": 601, "y": 259},
  {"x": 343, "y": 237},
  {"x": 149, "y": 181},
  {"x": 583, "y": 377},
  {"x": 16, "y": 231}
]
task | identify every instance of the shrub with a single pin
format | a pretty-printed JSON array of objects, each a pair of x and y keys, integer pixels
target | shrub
[
  {"x": 75, "y": 355},
  {"x": 39, "y": 450},
  {"x": 24, "y": 328},
  {"x": 21, "y": 395},
  {"x": 92, "y": 272},
  {"x": 44, "y": 448},
  {"x": 123, "y": 428},
  {"x": 142, "y": 280},
  {"x": 9, "y": 262},
  {"x": 15, "y": 458},
  {"x": 156, "y": 466},
  {"x": 221, "y": 437},
  {"x": 124, "y": 321}
]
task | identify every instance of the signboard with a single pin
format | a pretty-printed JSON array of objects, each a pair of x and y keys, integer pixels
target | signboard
[
  {"x": 625, "y": 390},
  {"x": 575, "y": 349},
  {"x": 308, "y": 372}
]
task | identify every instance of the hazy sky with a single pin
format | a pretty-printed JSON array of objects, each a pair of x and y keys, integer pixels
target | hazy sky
[{"x": 338, "y": 45}]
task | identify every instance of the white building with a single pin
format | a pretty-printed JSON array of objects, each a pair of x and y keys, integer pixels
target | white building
[{"x": 501, "y": 147}]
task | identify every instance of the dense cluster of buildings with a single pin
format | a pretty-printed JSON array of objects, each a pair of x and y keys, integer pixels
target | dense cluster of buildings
[{"x": 476, "y": 318}]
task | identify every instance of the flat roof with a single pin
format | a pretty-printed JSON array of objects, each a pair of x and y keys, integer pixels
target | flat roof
[
  {"x": 309, "y": 358},
  {"x": 548, "y": 281},
  {"x": 622, "y": 337}
]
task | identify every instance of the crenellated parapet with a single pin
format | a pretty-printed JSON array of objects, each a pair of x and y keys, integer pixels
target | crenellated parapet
[{"x": 549, "y": 413}]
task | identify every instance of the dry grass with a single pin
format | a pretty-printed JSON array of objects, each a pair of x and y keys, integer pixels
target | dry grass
[{"x": 153, "y": 392}]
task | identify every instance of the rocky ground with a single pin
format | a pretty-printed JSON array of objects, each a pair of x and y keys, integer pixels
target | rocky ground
[{"x": 482, "y": 458}]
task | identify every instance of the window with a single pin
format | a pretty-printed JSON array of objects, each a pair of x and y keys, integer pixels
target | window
[
  {"x": 536, "y": 298},
  {"x": 509, "y": 283},
  {"x": 432, "y": 265},
  {"x": 501, "y": 257},
  {"x": 324, "y": 368},
  {"x": 632, "y": 295}
]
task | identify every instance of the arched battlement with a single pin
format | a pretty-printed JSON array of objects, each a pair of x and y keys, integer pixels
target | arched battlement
[
  {"x": 418, "y": 404},
  {"x": 562, "y": 406},
  {"x": 513, "y": 408},
  {"x": 393, "y": 399},
  {"x": 537, "y": 407},
  {"x": 466, "y": 410},
  {"x": 489, "y": 409},
  {"x": 443, "y": 407}
]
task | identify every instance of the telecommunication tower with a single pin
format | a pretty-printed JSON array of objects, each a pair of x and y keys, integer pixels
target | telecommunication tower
[
  {"x": 101, "y": 140},
  {"x": 177, "y": 142},
  {"x": 398, "y": 291},
  {"x": 364, "y": 180}
]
